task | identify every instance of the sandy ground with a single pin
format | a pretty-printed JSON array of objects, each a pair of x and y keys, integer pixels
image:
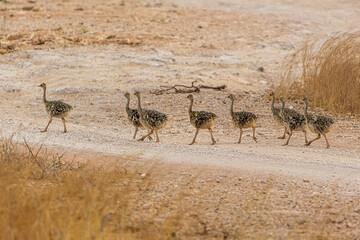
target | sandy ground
[
  {"x": 214, "y": 202},
  {"x": 89, "y": 53},
  {"x": 99, "y": 122}
]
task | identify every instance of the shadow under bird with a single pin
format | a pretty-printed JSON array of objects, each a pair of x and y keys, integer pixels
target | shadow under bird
[
  {"x": 151, "y": 119},
  {"x": 242, "y": 120},
  {"x": 133, "y": 116},
  {"x": 57, "y": 109},
  {"x": 292, "y": 121},
  {"x": 318, "y": 124},
  {"x": 201, "y": 120}
]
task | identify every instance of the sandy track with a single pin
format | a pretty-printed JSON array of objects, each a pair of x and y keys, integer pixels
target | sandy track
[
  {"x": 334, "y": 165},
  {"x": 98, "y": 122},
  {"x": 94, "y": 78}
]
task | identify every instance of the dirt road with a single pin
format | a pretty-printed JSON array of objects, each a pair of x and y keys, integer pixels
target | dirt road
[{"x": 102, "y": 51}]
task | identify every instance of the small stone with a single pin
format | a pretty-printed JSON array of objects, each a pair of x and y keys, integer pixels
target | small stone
[
  {"x": 38, "y": 38},
  {"x": 28, "y": 8},
  {"x": 301, "y": 222},
  {"x": 261, "y": 69}
]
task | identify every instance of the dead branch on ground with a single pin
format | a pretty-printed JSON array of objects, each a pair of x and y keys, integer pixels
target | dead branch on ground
[{"x": 179, "y": 88}]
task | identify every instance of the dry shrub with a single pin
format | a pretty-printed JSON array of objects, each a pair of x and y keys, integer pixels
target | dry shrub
[
  {"x": 328, "y": 72},
  {"x": 42, "y": 197}
]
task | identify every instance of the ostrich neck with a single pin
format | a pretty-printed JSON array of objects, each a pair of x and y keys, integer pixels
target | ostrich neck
[
  {"x": 191, "y": 104},
  {"x": 139, "y": 104},
  {"x": 306, "y": 108},
  {"x": 44, "y": 95},
  {"x": 282, "y": 107},
  {"x": 232, "y": 107},
  {"x": 272, "y": 103},
  {"x": 127, "y": 104}
]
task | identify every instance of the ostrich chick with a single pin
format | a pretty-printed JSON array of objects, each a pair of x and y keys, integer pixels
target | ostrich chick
[
  {"x": 318, "y": 124},
  {"x": 242, "y": 120},
  {"x": 55, "y": 109},
  {"x": 201, "y": 120},
  {"x": 151, "y": 119},
  {"x": 293, "y": 121},
  {"x": 133, "y": 116}
]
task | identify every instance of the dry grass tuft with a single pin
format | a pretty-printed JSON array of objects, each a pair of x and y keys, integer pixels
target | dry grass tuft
[
  {"x": 328, "y": 72},
  {"x": 42, "y": 197}
]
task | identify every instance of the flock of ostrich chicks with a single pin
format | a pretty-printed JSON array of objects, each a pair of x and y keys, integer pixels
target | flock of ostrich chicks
[{"x": 154, "y": 121}]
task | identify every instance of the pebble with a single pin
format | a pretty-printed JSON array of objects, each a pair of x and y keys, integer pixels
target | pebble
[
  {"x": 28, "y": 8},
  {"x": 261, "y": 69}
]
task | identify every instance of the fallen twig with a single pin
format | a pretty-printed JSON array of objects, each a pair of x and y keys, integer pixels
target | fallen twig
[
  {"x": 179, "y": 88},
  {"x": 219, "y": 88}
]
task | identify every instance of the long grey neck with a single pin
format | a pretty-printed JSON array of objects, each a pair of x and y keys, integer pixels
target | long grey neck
[
  {"x": 282, "y": 106},
  {"x": 232, "y": 107},
  {"x": 139, "y": 104},
  {"x": 44, "y": 95},
  {"x": 128, "y": 103},
  {"x": 273, "y": 102},
  {"x": 306, "y": 108},
  {"x": 191, "y": 104}
]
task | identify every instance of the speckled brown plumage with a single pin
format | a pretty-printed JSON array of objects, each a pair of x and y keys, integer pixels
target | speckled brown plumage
[
  {"x": 292, "y": 121},
  {"x": 242, "y": 120},
  {"x": 133, "y": 116},
  {"x": 151, "y": 119},
  {"x": 201, "y": 120},
  {"x": 56, "y": 109},
  {"x": 318, "y": 124}
]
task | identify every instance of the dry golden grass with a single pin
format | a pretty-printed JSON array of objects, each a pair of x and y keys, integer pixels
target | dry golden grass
[
  {"x": 327, "y": 72},
  {"x": 43, "y": 198}
]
